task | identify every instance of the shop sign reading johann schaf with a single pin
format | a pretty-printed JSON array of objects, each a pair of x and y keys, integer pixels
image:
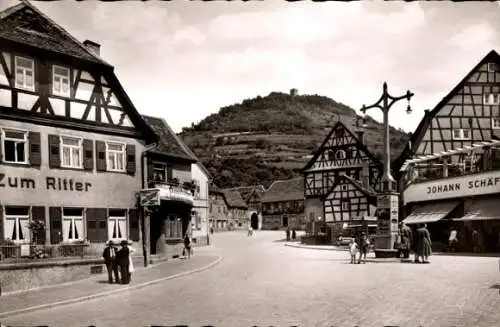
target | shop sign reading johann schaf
[{"x": 463, "y": 186}]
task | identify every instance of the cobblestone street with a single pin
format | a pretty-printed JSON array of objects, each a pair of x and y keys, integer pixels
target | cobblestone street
[{"x": 263, "y": 283}]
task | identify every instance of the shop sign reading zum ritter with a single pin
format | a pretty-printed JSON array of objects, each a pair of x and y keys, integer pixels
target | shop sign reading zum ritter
[
  {"x": 51, "y": 183},
  {"x": 454, "y": 187}
]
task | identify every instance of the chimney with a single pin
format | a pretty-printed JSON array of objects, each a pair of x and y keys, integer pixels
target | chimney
[
  {"x": 93, "y": 47},
  {"x": 360, "y": 134},
  {"x": 294, "y": 92},
  {"x": 426, "y": 112}
]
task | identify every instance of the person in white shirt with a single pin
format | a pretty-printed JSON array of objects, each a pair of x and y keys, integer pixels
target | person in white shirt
[
  {"x": 131, "y": 263},
  {"x": 353, "y": 249}
]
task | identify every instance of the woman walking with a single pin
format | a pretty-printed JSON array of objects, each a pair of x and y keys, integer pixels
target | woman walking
[{"x": 424, "y": 246}]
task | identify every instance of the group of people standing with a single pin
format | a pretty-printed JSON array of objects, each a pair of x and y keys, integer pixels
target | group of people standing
[
  {"x": 359, "y": 245},
  {"x": 119, "y": 261},
  {"x": 419, "y": 241}
]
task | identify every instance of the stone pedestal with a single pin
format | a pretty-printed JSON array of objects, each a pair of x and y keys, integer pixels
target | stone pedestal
[{"x": 387, "y": 224}]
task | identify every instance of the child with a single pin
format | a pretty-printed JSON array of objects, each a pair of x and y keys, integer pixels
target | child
[{"x": 353, "y": 249}]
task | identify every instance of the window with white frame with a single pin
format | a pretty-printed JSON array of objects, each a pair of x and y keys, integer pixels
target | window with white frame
[
  {"x": 15, "y": 146},
  {"x": 491, "y": 98},
  {"x": 16, "y": 224},
  {"x": 117, "y": 224},
  {"x": 115, "y": 152},
  {"x": 461, "y": 134},
  {"x": 71, "y": 152},
  {"x": 72, "y": 224},
  {"x": 495, "y": 123},
  {"x": 60, "y": 80},
  {"x": 492, "y": 67},
  {"x": 25, "y": 73}
]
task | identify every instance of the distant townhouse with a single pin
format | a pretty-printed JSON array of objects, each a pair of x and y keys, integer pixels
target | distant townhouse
[
  {"x": 238, "y": 209},
  {"x": 218, "y": 208},
  {"x": 168, "y": 167},
  {"x": 252, "y": 195},
  {"x": 283, "y": 205},
  {"x": 71, "y": 139},
  {"x": 201, "y": 178}
]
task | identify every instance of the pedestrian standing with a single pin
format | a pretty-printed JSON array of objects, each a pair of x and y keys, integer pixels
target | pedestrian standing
[
  {"x": 250, "y": 230},
  {"x": 424, "y": 249},
  {"x": 109, "y": 255},
  {"x": 294, "y": 234},
  {"x": 131, "y": 268},
  {"x": 363, "y": 244},
  {"x": 187, "y": 246},
  {"x": 123, "y": 257},
  {"x": 288, "y": 234},
  {"x": 406, "y": 240},
  {"x": 353, "y": 249}
]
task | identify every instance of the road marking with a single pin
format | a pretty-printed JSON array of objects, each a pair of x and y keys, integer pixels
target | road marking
[{"x": 103, "y": 294}]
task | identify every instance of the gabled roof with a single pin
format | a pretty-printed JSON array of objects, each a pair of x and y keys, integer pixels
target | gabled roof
[
  {"x": 369, "y": 191},
  {"x": 26, "y": 24},
  {"x": 285, "y": 190},
  {"x": 415, "y": 139},
  {"x": 339, "y": 125},
  {"x": 234, "y": 199},
  {"x": 214, "y": 189},
  {"x": 169, "y": 143},
  {"x": 247, "y": 191}
]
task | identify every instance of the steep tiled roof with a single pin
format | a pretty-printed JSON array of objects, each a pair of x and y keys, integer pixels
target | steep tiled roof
[
  {"x": 169, "y": 144},
  {"x": 416, "y": 137},
  {"x": 285, "y": 190},
  {"x": 24, "y": 23},
  {"x": 247, "y": 191},
  {"x": 234, "y": 199}
]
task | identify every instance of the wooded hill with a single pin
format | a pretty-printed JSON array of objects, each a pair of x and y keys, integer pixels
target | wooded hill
[{"x": 267, "y": 138}]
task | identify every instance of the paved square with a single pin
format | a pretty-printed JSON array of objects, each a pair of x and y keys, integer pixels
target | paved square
[{"x": 261, "y": 282}]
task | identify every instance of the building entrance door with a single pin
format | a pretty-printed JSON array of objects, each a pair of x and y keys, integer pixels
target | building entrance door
[{"x": 254, "y": 221}]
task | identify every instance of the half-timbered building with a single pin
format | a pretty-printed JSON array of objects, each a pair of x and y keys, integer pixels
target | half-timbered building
[
  {"x": 70, "y": 138},
  {"x": 238, "y": 209},
  {"x": 341, "y": 153},
  {"x": 169, "y": 175},
  {"x": 449, "y": 171},
  {"x": 351, "y": 205},
  {"x": 283, "y": 205}
]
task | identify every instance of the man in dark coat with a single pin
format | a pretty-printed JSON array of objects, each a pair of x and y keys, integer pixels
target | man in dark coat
[
  {"x": 109, "y": 254},
  {"x": 406, "y": 240},
  {"x": 363, "y": 244},
  {"x": 123, "y": 262}
]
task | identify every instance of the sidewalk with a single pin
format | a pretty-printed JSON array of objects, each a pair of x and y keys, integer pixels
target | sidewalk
[{"x": 98, "y": 286}]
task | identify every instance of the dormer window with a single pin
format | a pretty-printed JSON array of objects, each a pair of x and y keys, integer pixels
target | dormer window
[
  {"x": 60, "y": 81},
  {"x": 491, "y": 98},
  {"x": 461, "y": 134},
  {"x": 25, "y": 73}
]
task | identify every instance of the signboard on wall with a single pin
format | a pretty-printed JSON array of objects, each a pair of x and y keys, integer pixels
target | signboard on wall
[{"x": 463, "y": 186}]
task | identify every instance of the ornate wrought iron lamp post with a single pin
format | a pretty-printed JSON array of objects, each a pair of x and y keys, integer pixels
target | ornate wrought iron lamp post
[{"x": 387, "y": 200}]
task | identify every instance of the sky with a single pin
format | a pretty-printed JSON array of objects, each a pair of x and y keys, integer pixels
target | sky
[{"x": 184, "y": 60}]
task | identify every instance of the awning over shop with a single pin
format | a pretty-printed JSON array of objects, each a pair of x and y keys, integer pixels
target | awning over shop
[
  {"x": 430, "y": 212},
  {"x": 483, "y": 209}
]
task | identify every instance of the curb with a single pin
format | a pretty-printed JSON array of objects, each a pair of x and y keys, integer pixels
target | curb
[
  {"x": 315, "y": 248},
  {"x": 103, "y": 294}
]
